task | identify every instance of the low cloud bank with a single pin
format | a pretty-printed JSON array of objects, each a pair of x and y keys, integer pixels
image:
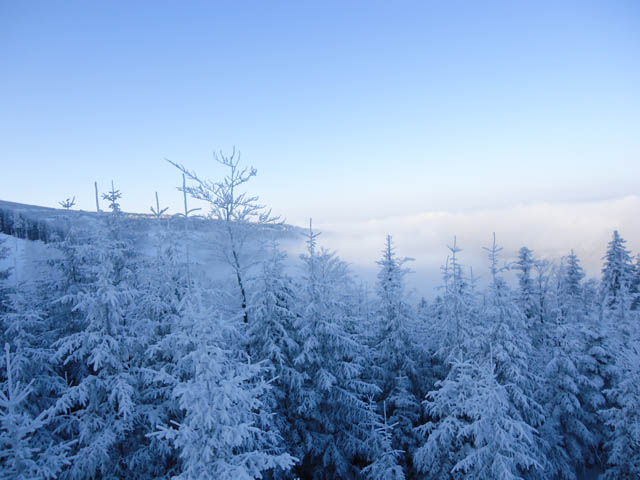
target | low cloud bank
[{"x": 550, "y": 229}]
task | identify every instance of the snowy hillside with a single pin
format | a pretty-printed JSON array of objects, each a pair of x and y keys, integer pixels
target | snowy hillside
[{"x": 31, "y": 227}]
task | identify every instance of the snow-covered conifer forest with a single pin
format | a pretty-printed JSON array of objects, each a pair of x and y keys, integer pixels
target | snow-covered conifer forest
[{"x": 190, "y": 345}]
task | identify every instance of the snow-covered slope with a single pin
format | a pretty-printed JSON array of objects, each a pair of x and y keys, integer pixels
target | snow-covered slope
[{"x": 31, "y": 227}]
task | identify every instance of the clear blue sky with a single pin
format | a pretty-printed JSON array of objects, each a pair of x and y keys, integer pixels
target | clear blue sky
[{"x": 349, "y": 109}]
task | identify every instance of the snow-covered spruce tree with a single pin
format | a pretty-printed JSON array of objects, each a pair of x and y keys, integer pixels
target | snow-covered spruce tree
[
  {"x": 102, "y": 354},
  {"x": 621, "y": 323},
  {"x": 5, "y": 290},
  {"x": 533, "y": 297},
  {"x": 237, "y": 212},
  {"x": 543, "y": 270},
  {"x": 526, "y": 284},
  {"x": 425, "y": 337},
  {"x": 454, "y": 322},
  {"x": 504, "y": 339},
  {"x": 569, "y": 395},
  {"x": 25, "y": 323},
  {"x": 623, "y": 418},
  {"x": 163, "y": 284},
  {"x": 5, "y": 293},
  {"x": 476, "y": 432},
  {"x": 26, "y": 450},
  {"x": 6, "y": 286},
  {"x": 635, "y": 284},
  {"x": 443, "y": 445},
  {"x": 618, "y": 275},
  {"x": 363, "y": 322},
  {"x": 380, "y": 440},
  {"x": 622, "y": 334},
  {"x": 395, "y": 355},
  {"x": 224, "y": 429},
  {"x": 449, "y": 321},
  {"x": 596, "y": 362},
  {"x": 592, "y": 361},
  {"x": 445, "y": 325},
  {"x": 73, "y": 260},
  {"x": 572, "y": 282},
  {"x": 4, "y": 275},
  {"x": 332, "y": 413},
  {"x": 27, "y": 328},
  {"x": 273, "y": 340}
]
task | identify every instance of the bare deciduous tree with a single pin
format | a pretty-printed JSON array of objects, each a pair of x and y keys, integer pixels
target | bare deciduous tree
[{"x": 235, "y": 209}]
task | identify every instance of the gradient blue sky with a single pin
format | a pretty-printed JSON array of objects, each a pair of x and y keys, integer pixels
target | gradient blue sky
[{"x": 350, "y": 110}]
